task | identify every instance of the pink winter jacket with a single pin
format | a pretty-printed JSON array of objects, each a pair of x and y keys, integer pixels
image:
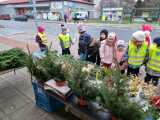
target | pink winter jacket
[{"x": 106, "y": 53}]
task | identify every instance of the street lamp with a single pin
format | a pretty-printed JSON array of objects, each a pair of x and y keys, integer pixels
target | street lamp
[{"x": 34, "y": 11}]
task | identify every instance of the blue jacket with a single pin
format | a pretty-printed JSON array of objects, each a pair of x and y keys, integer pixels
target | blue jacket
[{"x": 84, "y": 41}]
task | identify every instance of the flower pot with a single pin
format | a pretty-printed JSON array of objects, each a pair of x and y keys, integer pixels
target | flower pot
[
  {"x": 94, "y": 106},
  {"x": 82, "y": 102},
  {"x": 103, "y": 115},
  {"x": 149, "y": 117},
  {"x": 60, "y": 83},
  {"x": 114, "y": 118}
]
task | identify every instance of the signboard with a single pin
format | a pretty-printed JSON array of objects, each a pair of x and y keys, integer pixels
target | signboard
[
  {"x": 112, "y": 9},
  {"x": 65, "y": 3},
  {"x": 56, "y": 5}
]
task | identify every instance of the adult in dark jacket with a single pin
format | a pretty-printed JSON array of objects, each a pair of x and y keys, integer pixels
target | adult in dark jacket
[
  {"x": 84, "y": 41},
  {"x": 93, "y": 51}
]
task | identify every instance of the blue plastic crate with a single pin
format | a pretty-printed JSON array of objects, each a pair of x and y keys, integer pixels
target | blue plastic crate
[
  {"x": 45, "y": 101},
  {"x": 149, "y": 117}
]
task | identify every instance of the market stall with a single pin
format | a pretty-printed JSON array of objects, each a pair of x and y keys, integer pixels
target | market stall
[{"x": 87, "y": 91}]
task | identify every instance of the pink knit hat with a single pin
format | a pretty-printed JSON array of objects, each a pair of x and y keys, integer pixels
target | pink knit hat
[
  {"x": 147, "y": 27},
  {"x": 40, "y": 29}
]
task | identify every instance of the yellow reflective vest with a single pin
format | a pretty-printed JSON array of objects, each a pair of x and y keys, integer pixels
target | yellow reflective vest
[
  {"x": 154, "y": 58},
  {"x": 43, "y": 38},
  {"x": 65, "y": 40},
  {"x": 136, "y": 55}
]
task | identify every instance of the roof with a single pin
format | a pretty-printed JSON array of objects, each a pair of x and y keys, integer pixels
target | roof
[
  {"x": 82, "y": 1},
  {"x": 17, "y": 1},
  {"x": 26, "y": 1}
]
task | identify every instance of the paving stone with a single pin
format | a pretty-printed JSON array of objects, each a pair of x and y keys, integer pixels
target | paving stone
[
  {"x": 17, "y": 100},
  {"x": 28, "y": 112},
  {"x": 22, "y": 83},
  {"x": 6, "y": 91},
  {"x": 7, "y": 76},
  {"x": 3, "y": 116},
  {"x": 14, "y": 103},
  {"x": 24, "y": 86}
]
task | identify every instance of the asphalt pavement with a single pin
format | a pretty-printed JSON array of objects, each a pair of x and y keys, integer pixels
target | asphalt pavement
[
  {"x": 53, "y": 28},
  {"x": 26, "y": 31}
]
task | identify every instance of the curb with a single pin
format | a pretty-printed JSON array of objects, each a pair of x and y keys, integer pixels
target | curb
[{"x": 101, "y": 24}]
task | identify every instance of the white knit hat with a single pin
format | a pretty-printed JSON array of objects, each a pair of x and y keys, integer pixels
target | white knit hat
[
  {"x": 112, "y": 35},
  {"x": 139, "y": 36},
  {"x": 121, "y": 43}
]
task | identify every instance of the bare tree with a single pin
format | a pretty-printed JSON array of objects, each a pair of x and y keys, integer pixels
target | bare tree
[
  {"x": 151, "y": 3},
  {"x": 117, "y": 3},
  {"x": 156, "y": 3}
]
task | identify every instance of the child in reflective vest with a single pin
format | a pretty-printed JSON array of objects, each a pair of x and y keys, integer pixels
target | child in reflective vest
[
  {"x": 41, "y": 39},
  {"x": 153, "y": 64},
  {"x": 65, "y": 41}
]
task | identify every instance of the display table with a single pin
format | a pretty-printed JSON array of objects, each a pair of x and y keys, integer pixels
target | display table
[{"x": 70, "y": 105}]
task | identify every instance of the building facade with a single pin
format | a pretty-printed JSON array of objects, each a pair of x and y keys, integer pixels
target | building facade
[{"x": 46, "y": 9}]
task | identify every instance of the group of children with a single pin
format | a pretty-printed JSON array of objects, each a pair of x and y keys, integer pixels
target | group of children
[{"x": 108, "y": 51}]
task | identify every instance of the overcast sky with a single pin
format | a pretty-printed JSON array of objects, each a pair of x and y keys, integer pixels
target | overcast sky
[{"x": 2, "y": 0}]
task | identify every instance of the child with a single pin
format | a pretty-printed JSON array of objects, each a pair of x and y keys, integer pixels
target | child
[
  {"x": 108, "y": 51},
  {"x": 103, "y": 34},
  {"x": 120, "y": 50},
  {"x": 119, "y": 55},
  {"x": 41, "y": 39},
  {"x": 153, "y": 64},
  {"x": 65, "y": 41},
  {"x": 147, "y": 30}
]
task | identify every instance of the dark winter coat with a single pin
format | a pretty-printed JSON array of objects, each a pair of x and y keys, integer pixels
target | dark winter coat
[
  {"x": 39, "y": 41},
  {"x": 93, "y": 52},
  {"x": 84, "y": 41}
]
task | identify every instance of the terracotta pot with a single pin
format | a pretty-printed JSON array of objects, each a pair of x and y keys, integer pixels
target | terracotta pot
[
  {"x": 60, "y": 83},
  {"x": 82, "y": 102},
  {"x": 114, "y": 118}
]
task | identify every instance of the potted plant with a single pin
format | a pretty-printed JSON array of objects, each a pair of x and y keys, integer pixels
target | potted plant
[
  {"x": 77, "y": 80},
  {"x": 117, "y": 100},
  {"x": 36, "y": 69},
  {"x": 60, "y": 77}
]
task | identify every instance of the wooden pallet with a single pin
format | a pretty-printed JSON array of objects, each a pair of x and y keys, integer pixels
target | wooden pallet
[{"x": 77, "y": 112}]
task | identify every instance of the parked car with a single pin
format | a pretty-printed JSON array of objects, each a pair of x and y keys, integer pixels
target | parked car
[
  {"x": 149, "y": 19},
  {"x": 5, "y": 17},
  {"x": 80, "y": 16},
  {"x": 30, "y": 15},
  {"x": 139, "y": 19},
  {"x": 21, "y": 18}
]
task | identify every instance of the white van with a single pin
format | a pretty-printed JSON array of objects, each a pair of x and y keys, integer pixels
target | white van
[{"x": 80, "y": 15}]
